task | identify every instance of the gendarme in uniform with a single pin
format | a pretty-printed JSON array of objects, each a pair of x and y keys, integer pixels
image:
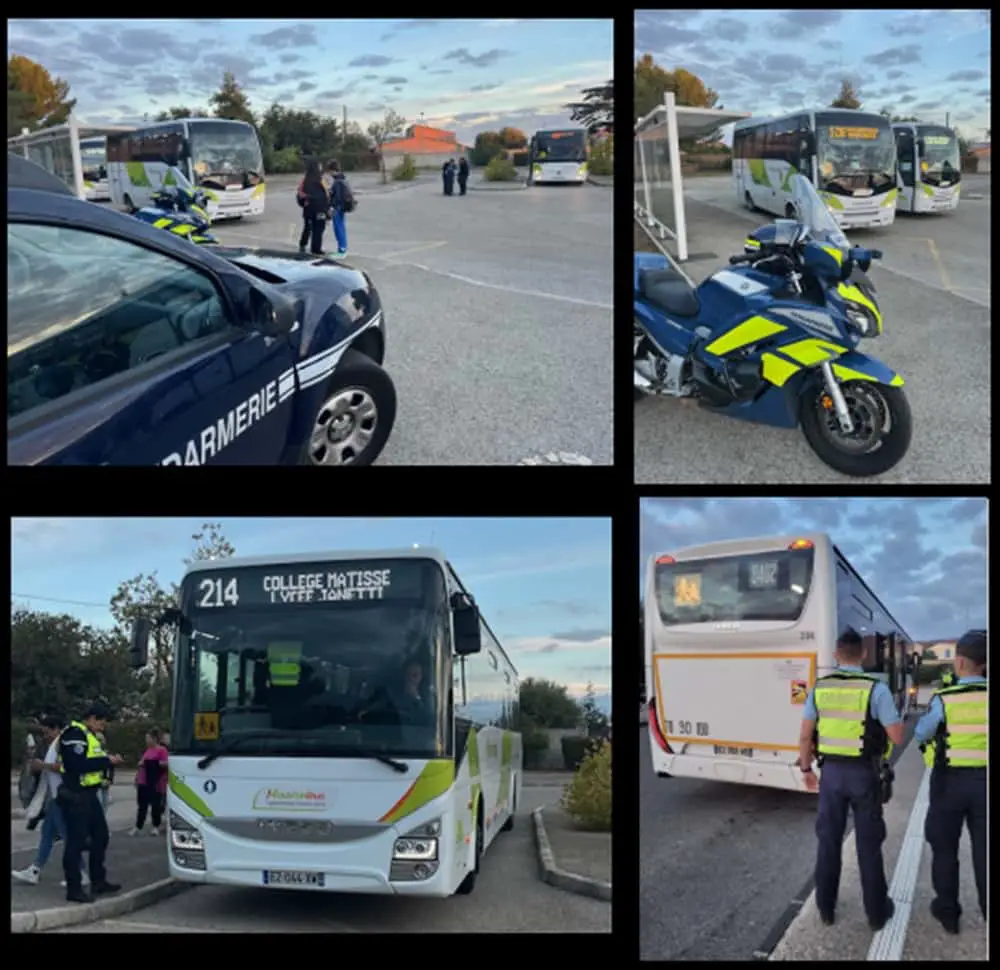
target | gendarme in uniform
[
  {"x": 953, "y": 738},
  {"x": 850, "y": 710},
  {"x": 83, "y": 764}
]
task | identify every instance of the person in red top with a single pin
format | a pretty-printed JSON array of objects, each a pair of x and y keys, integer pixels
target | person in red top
[{"x": 151, "y": 783}]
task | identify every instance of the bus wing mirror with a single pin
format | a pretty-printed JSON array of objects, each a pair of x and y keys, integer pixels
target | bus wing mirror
[
  {"x": 138, "y": 651},
  {"x": 468, "y": 636}
]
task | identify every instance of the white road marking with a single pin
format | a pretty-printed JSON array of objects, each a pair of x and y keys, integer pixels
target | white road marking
[{"x": 415, "y": 249}]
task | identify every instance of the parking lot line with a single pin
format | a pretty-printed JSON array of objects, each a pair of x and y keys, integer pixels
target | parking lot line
[
  {"x": 415, "y": 249},
  {"x": 937, "y": 260}
]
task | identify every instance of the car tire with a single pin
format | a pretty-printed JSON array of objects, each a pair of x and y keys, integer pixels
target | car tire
[{"x": 361, "y": 375}]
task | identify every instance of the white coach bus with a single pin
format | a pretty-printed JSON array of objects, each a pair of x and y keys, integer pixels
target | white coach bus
[
  {"x": 736, "y": 633},
  {"x": 341, "y": 722}
]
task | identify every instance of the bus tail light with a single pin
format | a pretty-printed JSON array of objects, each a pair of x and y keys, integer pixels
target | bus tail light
[
  {"x": 654, "y": 728},
  {"x": 801, "y": 544},
  {"x": 665, "y": 560}
]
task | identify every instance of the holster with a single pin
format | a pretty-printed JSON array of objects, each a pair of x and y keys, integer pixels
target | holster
[{"x": 886, "y": 776}]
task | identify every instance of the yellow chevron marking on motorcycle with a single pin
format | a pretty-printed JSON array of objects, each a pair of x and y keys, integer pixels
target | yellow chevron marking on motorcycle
[
  {"x": 183, "y": 229},
  {"x": 161, "y": 223},
  {"x": 777, "y": 371},
  {"x": 748, "y": 332},
  {"x": 812, "y": 351},
  {"x": 835, "y": 253},
  {"x": 847, "y": 374}
]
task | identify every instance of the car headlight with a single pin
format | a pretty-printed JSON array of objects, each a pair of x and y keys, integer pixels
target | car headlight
[
  {"x": 419, "y": 844},
  {"x": 861, "y": 320}
]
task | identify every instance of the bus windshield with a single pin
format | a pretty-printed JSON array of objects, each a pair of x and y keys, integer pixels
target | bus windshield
[
  {"x": 345, "y": 658},
  {"x": 853, "y": 153},
  {"x": 560, "y": 146},
  {"x": 939, "y": 159},
  {"x": 225, "y": 153},
  {"x": 759, "y": 586},
  {"x": 93, "y": 156}
]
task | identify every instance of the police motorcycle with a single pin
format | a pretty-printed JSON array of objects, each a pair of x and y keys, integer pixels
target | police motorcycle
[
  {"x": 775, "y": 340},
  {"x": 179, "y": 208}
]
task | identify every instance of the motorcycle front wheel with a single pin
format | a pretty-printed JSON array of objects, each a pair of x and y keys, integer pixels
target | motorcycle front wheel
[{"x": 882, "y": 428}]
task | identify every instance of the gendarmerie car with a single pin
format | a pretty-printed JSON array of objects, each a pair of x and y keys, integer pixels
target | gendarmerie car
[{"x": 126, "y": 345}]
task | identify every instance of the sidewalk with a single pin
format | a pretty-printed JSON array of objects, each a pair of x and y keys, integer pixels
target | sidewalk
[{"x": 138, "y": 863}]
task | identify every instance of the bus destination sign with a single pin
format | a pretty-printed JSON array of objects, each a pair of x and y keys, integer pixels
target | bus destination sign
[
  {"x": 336, "y": 582},
  {"x": 866, "y": 134}
]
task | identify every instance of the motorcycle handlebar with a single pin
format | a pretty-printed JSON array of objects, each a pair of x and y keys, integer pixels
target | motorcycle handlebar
[{"x": 745, "y": 258}]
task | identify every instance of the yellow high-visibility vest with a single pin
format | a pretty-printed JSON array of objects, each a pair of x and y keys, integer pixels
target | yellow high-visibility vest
[
  {"x": 960, "y": 741},
  {"x": 284, "y": 663},
  {"x": 842, "y": 702},
  {"x": 92, "y": 779}
]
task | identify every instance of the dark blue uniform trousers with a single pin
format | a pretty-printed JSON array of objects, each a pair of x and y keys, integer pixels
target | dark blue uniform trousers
[
  {"x": 958, "y": 795},
  {"x": 851, "y": 785}
]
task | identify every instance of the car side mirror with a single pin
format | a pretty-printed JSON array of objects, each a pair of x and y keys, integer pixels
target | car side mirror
[{"x": 272, "y": 315}]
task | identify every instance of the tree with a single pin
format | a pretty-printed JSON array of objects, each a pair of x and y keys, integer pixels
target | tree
[
  {"x": 230, "y": 101},
  {"x": 544, "y": 703},
  {"x": 34, "y": 98},
  {"x": 486, "y": 147},
  {"x": 594, "y": 718},
  {"x": 596, "y": 110},
  {"x": 846, "y": 98},
  {"x": 181, "y": 112},
  {"x": 512, "y": 138},
  {"x": 381, "y": 131},
  {"x": 144, "y": 596},
  {"x": 652, "y": 83}
]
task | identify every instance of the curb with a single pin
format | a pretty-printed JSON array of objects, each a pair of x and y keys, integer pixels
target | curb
[
  {"x": 604, "y": 185},
  {"x": 498, "y": 187},
  {"x": 60, "y": 916},
  {"x": 551, "y": 873}
]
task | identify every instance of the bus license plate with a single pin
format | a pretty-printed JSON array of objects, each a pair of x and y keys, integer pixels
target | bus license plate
[
  {"x": 289, "y": 877},
  {"x": 732, "y": 750}
]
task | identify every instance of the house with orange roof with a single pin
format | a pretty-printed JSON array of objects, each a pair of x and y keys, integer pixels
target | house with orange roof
[{"x": 428, "y": 147}]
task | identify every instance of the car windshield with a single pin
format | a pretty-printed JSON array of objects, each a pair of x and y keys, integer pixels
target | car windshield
[
  {"x": 347, "y": 656},
  {"x": 814, "y": 214},
  {"x": 225, "y": 152}
]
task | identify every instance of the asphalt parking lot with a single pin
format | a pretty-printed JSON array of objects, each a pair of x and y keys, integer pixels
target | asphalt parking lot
[
  {"x": 498, "y": 313},
  {"x": 933, "y": 287}
]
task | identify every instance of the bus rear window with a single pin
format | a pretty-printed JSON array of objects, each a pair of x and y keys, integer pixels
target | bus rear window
[{"x": 759, "y": 586}]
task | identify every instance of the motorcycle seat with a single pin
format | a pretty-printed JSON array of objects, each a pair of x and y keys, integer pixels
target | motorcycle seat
[{"x": 667, "y": 290}]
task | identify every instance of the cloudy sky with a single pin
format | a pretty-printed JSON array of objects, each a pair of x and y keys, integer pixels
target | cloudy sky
[
  {"x": 769, "y": 62},
  {"x": 544, "y": 585},
  {"x": 925, "y": 559},
  {"x": 464, "y": 75}
]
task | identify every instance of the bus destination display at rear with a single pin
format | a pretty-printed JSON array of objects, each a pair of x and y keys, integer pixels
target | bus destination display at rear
[{"x": 338, "y": 582}]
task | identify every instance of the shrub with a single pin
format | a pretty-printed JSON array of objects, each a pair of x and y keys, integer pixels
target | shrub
[
  {"x": 575, "y": 748},
  {"x": 500, "y": 169},
  {"x": 284, "y": 160},
  {"x": 405, "y": 171},
  {"x": 587, "y": 798},
  {"x": 519, "y": 159},
  {"x": 601, "y": 165},
  {"x": 534, "y": 743}
]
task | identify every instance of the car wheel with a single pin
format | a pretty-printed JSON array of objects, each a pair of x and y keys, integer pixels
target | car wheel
[{"x": 355, "y": 416}]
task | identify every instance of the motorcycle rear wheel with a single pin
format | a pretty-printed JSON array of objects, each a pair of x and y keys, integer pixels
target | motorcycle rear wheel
[{"x": 867, "y": 402}]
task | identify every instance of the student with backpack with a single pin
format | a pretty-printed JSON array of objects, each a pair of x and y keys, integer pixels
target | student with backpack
[
  {"x": 341, "y": 202},
  {"x": 314, "y": 201}
]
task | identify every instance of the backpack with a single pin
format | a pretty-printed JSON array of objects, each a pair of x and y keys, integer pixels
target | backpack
[{"x": 347, "y": 198}]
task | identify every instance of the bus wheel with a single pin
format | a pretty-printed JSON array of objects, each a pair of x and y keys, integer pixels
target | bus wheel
[
  {"x": 509, "y": 824},
  {"x": 748, "y": 202},
  {"x": 129, "y": 205},
  {"x": 790, "y": 211},
  {"x": 469, "y": 882}
]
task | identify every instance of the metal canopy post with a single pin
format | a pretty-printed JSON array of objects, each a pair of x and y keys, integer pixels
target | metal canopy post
[{"x": 674, "y": 149}]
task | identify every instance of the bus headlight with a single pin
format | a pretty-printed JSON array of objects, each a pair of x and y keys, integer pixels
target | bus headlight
[
  {"x": 184, "y": 836},
  {"x": 419, "y": 844}
]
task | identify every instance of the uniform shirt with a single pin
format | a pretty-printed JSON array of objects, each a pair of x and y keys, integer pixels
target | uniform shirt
[
  {"x": 73, "y": 748},
  {"x": 882, "y": 705},
  {"x": 927, "y": 725}
]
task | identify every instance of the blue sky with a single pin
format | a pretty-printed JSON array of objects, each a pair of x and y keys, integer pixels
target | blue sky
[
  {"x": 769, "y": 62},
  {"x": 464, "y": 75},
  {"x": 924, "y": 558},
  {"x": 543, "y": 585}
]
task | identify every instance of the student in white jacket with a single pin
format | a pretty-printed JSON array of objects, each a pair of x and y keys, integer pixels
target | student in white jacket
[{"x": 44, "y": 801}]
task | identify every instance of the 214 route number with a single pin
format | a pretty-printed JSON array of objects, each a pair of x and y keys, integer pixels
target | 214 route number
[
  {"x": 696, "y": 729},
  {"x": 215, "y": 594}
]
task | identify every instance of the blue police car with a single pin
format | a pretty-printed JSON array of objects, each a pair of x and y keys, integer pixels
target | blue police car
[{"x": 127, "y": 345}]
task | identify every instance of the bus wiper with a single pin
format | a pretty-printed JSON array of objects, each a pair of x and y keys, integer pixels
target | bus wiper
[
  {"x": 395, "y": 764},
  {"x": 230, "y": 744}
]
